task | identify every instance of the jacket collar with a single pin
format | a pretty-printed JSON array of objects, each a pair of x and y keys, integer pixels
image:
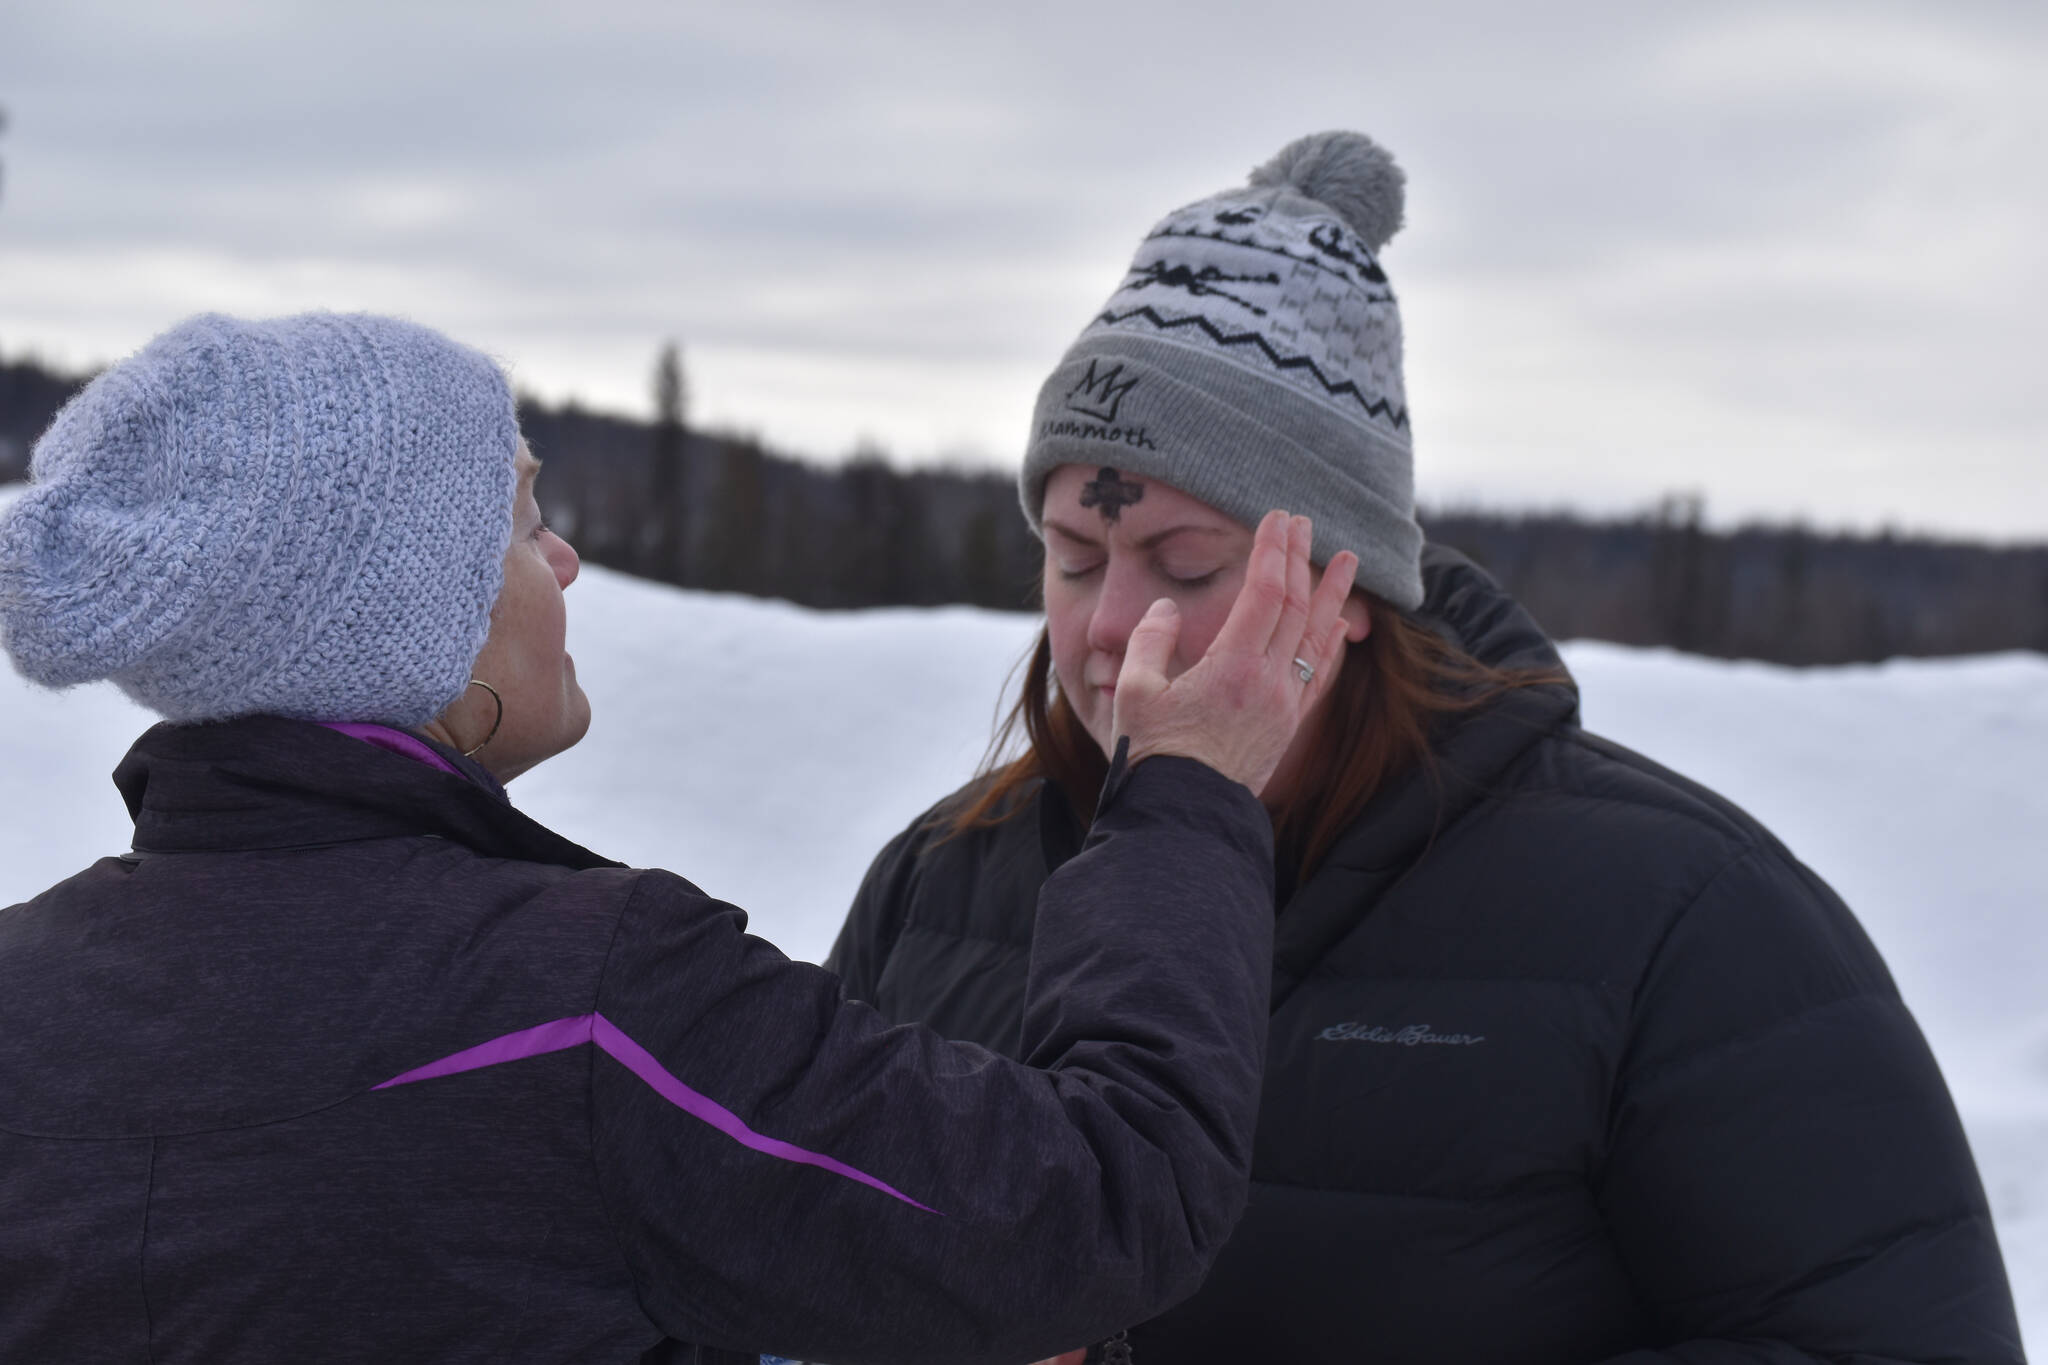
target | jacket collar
[
  {"x": 1473, "y": 752},
  {"x": 264, "y": 782}
]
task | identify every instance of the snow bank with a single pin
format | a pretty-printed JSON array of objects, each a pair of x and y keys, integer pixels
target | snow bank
[{"x": 766, "y": 752}]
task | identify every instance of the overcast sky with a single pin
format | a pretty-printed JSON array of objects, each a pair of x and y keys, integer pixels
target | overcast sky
[{"x": 1786, "y": 255}]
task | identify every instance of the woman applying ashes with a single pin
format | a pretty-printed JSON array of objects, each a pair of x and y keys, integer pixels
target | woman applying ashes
[{"x": 348, "y": 1060}]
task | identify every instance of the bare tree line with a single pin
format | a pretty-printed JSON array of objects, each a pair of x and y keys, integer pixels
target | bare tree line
[
  {"x": 720, "y": 512},
  {"x": 1783, "y": 594}
]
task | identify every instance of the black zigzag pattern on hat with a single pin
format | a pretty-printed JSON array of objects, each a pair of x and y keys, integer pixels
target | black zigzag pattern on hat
[
  {"x": 1367, "y": 275},
  {"x": 1374, "y": 407}
]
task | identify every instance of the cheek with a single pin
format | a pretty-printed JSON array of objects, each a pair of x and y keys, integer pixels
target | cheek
[
  {"x": 533, "y": 606},
  {"x": 1066, "y": 625},
  {"x": 1200, "y": 623}
]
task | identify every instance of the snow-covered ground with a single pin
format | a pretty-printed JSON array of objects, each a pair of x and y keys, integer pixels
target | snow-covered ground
[{"x": 766, "y": 752}]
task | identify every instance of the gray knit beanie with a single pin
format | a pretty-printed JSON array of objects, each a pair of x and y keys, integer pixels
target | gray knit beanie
[
  {"x": 301, "y": 517},
  {"x": 1252, "y": 359}
]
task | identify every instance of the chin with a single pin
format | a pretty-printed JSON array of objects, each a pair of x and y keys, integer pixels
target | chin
[{"x": 577, "y": 721}]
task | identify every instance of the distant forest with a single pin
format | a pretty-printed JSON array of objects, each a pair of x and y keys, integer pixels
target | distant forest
[{"x": 720, "y": 512}]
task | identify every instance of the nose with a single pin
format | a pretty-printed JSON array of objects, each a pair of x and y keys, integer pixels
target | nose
[
  {"x": 1118, "y": 609},
  {"x": 562, "y": 557}
]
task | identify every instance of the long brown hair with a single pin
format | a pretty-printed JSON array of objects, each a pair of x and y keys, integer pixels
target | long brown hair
[{"x": 1396, "y": 684}]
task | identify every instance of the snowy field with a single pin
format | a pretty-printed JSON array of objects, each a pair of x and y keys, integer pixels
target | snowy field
[{"x": 766, "y": 752}]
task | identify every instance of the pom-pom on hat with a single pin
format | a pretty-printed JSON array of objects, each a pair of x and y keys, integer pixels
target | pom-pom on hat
[
  {"x": 305, "y": 516},
  {"x": 1252, "y": 358}
]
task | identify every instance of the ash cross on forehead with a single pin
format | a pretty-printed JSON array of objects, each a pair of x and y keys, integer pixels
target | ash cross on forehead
[{"x": 1110, "y": 493}]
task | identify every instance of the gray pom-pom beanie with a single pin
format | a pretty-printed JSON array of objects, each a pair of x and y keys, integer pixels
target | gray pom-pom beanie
[
  {"x": 1252, "y": 359},
  {"x": 306, "y": 516}
]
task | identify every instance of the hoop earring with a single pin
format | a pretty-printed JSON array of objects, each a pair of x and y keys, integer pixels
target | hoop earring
[{"x": 500, "y": 720}]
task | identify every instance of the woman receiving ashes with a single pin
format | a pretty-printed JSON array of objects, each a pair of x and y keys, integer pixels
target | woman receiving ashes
[{"x": 1570, "y": 1060}]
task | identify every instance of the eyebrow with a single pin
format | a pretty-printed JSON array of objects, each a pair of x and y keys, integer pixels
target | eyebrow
[{"x": 1148, "y": 542}]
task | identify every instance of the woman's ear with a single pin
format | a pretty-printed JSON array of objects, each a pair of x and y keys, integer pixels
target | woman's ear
[{"x": 1357, "y": 616}]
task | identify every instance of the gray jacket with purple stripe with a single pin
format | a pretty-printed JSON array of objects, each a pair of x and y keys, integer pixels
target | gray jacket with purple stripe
[{"x": 351, "y": 1061}]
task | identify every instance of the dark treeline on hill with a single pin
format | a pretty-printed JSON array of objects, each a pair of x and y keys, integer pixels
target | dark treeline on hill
[
  {"x": 719, "y": 512},
  {"x": 29, "y": 397},
  {"x": 1783, "y": 594}
]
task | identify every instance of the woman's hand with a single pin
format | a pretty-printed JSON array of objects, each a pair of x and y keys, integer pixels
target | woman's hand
[{"x": 1238, "y": 708}]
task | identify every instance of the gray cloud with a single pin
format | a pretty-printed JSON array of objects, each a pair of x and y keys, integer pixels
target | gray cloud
[{"x": 1779, "y": 252}]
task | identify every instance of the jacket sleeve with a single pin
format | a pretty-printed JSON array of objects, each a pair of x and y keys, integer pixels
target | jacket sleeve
[
  {"x": 786, "y": 1173},
  {"x": 1786, "y": 1178}
]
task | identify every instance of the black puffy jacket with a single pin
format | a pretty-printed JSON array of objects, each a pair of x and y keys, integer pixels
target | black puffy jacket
[{"x": 1569, "y": 1061}]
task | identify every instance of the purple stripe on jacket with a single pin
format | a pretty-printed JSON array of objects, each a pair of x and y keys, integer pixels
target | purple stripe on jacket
[
  {"x": 560, "y": 1034},
  {"x": 392, "y": 741}
]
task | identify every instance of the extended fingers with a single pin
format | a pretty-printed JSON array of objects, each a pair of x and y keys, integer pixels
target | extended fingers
[
  {"x": 1294, "y": 610},
  {"x": 1322, "y": 640},
  {"x": 1328, "y": 603},
  {"x": 1248, "y": 630}
]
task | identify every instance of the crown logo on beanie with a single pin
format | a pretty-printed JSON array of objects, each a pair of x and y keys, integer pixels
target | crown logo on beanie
[{"x": 1099, "y": 396}]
